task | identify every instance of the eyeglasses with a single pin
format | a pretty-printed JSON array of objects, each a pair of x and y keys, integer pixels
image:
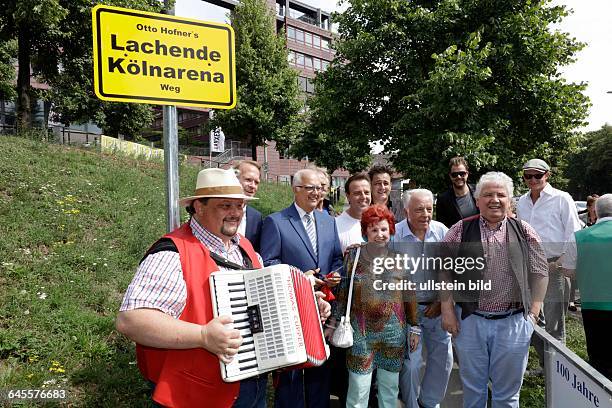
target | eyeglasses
[
  {"x": 530, "y": 176},
  {"x": 310, "y": 189},
  {"x": 456, "y": 174}
]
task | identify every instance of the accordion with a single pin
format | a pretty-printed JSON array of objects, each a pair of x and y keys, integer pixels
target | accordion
[{"x": 276, "y": 311}]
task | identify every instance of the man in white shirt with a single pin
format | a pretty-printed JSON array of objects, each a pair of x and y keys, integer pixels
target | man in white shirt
[
  {"x": 552, "y": 213},
  {"x": 410, "y": 237},
  {"x": 357, "y": 189}
]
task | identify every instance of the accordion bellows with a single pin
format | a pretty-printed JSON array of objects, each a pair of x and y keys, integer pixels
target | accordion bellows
[{"x": 276, "y": 311}]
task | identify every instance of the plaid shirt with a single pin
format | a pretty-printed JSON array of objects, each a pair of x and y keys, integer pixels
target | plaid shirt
[
  {"x": 505, "y": 289},
  {"x": 159, "y": 284}
]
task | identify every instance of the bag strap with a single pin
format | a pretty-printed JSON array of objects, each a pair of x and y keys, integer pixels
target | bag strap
[{"x": 350, "y": 298}]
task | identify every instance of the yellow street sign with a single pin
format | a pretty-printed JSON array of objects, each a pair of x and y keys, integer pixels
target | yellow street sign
[{"x": 160, "y": 59}]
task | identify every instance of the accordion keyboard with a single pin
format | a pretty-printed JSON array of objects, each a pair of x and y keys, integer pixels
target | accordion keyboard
[{"x": 280, "y": 341}]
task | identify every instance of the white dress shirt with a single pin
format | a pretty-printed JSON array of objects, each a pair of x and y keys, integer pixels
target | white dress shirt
[
  {"x": 302, "y": 213},
  {"x": 553, "y": 216},
  {"x": 242, "y": 226}
]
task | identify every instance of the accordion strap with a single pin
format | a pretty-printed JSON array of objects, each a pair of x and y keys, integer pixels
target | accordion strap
[{"x": 350, "y": 296}]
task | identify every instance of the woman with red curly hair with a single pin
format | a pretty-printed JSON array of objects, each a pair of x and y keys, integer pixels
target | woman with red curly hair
[{"x": 378, "y": 316}]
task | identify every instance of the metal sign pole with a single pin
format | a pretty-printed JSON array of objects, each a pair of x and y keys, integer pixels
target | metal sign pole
[
  {"x": 171, "y": 164},
  {"x": 171, "y": 157}
]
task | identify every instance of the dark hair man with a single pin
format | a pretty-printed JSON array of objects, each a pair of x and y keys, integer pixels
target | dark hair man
[
  {"x": 458, "y": 201},
  {"x": 357, "y": 190}
]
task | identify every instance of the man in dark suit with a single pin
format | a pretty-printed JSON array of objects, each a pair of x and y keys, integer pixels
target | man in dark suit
[
  {"x": 307, "y": 239},
  {"x": 249, "y": 173},
  {"x": 458, "y": 201}
]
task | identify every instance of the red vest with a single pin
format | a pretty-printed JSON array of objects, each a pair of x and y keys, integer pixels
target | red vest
[{"x": 191, "y": 377}]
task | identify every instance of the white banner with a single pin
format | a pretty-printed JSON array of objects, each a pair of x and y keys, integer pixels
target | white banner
[
  {"x": 571, "y": 388},
  {"x": 217, "y": 141}
]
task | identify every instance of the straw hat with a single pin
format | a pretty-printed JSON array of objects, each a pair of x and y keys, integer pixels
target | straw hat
[{"x": 216, "y": 183}]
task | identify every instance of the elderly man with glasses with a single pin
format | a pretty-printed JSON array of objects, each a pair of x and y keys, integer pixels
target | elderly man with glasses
[
  {"x": 308, "y": 240},
  {"x": 458, "y": 201},
  {"x": 552, "y": 213}
]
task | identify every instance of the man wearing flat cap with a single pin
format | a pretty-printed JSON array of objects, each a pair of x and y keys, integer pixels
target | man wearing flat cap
[
  {"x": 167, "y": 308},
  {"x": 552, "y": 213}
]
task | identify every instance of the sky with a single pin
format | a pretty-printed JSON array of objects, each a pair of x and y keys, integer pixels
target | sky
[{"x": 590, "y": 23}]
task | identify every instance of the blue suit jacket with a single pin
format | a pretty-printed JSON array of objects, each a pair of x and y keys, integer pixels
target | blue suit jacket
[
  {"x": 284, "y": 240},
  {"x": 253, "y": 227}
]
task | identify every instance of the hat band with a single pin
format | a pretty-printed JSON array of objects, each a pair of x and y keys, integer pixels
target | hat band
[{"x": 204, "y": 191}]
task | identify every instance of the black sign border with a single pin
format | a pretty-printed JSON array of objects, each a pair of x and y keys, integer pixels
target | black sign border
[{"x": 135, "y": 13}]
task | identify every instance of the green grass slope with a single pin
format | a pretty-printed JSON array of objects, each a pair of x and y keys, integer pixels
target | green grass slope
[{"x": 73, "y": 226}]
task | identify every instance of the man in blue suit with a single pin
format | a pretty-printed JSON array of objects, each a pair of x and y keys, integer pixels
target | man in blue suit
[
  {"x": 249, "y": 173},
  {"x": 307, "y": 239}
]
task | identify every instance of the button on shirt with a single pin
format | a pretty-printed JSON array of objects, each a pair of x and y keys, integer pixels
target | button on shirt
[
  {"x": 158, "y": 282},
  {"x": 553, "y": 216},
  {"x": 404, "y": 241}
]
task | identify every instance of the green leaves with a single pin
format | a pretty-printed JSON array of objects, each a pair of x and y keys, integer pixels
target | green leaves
[{"x": 454, "y": 77}]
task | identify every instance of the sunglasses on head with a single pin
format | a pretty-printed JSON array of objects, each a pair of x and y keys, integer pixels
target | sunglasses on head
[
  {"x": 456, "y": 174},
  {"x": 530, "y": 176}
]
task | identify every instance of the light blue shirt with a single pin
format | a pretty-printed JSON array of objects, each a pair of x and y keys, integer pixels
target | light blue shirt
[{"x": 404, "y": 241}]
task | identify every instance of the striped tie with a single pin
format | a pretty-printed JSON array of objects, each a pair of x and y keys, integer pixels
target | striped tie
[{"x": 312, "y": 234}]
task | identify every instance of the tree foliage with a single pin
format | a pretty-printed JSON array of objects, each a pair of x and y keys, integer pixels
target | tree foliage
[
  {"x": 431, "y": 79},
  {"x": 8, "y": 55},
  {"x": 268, "y": 102},
  {"x": 54, "y": 38},
  {"x": 590, "y": 168}
]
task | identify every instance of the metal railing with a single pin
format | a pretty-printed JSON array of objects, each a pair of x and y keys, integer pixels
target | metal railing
[{"x": 570, "y": 381}]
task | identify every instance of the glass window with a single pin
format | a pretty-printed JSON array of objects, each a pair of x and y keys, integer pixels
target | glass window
[
  {"x": 308, "y": 62},
  {"x": 291, "y": 33},
  {"x": 309, "y": 86},
  {"x": 303, "y": 83},
  {"x": 316, "y": 41},
  {"x": 308, "y": 38},
  {"x": 324, "y": 65},
  {"x": 299, "y": 59},
  {"x": 299, "y": 36},
  {"x": 291, "y": 57},
  {"x": 316, "y": 64},
  {"x": 324, "y": 43}
]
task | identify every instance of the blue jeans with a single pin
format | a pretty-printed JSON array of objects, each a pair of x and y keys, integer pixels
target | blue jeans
[
  {"x": 495, "y": 350},
  {"x": 437, "y": 370},
  {"x": 252, "y": 393}
]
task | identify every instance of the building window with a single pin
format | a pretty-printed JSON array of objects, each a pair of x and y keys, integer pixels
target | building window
[
  {"x": 308, "y": 39},
  {"x": 317, "y": 64},
  {"x": 291, "y": 57},
  {"x": 303, "y": 83},
  {"x": 316, "y": 41},
  {"x": 324, "y": 65},
  {"x": 299, "y": 36},
  {"x": 309, "y": 86},
  {"x": 308, "y": 61},
  {"x": 324, "y": 44},
  {"x": 291, "y": 33},
  {"x": 299, "y": 59}
]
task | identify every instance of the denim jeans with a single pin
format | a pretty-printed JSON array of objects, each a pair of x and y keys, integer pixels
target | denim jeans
[
  {"x": 252, "y": 393},
  {"x": 495, "y": 350},
  {"x": 437, "y": 370}
]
